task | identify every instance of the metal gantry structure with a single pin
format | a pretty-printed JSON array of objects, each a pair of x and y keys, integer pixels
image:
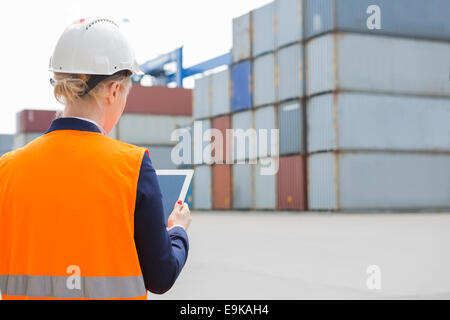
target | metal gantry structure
[{"x": 156, "y": 67}]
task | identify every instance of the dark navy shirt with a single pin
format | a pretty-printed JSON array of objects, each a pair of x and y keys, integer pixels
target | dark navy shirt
[{"x": 162, "y": 254}]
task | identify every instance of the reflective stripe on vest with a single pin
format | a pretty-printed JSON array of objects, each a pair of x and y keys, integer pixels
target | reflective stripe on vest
[
  {"x": 56, "y": 287},
  {"x": 67, "y": 199}
]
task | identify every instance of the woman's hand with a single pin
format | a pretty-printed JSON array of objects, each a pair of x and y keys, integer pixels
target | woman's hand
[{"x": 180, "y": 216}]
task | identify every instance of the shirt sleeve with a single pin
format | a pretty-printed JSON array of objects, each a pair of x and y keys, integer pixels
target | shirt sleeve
[{"x": 162, "y": 254}]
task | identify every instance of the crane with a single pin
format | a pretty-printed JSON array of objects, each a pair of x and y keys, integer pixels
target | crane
[{"x": 155, "y": 67}]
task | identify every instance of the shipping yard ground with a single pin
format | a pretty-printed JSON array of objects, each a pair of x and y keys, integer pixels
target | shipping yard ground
[{"x": 251, "y": 255}]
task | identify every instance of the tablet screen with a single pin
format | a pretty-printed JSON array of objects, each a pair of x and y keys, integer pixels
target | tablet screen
[{"x": 174, "y": 185}]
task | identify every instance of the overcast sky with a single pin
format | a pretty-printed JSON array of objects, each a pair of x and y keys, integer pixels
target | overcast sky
[{"x": 30, "y": 30}]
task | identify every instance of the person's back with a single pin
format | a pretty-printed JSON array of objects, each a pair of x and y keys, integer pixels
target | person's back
[
  {"x": 81, "y": 214},
  {"x": 68, "y": 198}
]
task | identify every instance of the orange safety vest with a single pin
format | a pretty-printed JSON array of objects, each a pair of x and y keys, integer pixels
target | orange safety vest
[{"x": 67, "y": 203}]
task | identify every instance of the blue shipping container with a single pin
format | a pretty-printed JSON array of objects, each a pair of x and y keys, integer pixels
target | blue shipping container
[
  {"x": 241, "y": 77},
  {"x": 410, "y": 18}
]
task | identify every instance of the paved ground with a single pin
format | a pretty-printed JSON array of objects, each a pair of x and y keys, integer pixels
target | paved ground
[{"x": 315, "y": 256}]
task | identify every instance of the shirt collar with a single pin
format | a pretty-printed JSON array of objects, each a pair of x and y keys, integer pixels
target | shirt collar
[
  {"x": 92, "y": 121},
  {"x": 75, "y": 123}
]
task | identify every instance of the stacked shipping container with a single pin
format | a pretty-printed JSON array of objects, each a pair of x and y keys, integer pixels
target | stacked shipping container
[
  {"x": 362, "y": 106},
  {"x": 31, "y": 124},
  {"x": 378, "y": 104},
  {"x": 6, "y": 143},
  {"x": 150, "y": 117},
  {"x": 266, "y": 88}
]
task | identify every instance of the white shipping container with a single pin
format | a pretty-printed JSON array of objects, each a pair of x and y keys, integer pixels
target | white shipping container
[
  {"x": 6, "y": 143},
  {"x": 202, "y": 196},
  {"x": 265, "y": 123},
  {"x": 359, "y": 121},
  {"x": 113, "y": 132},
  {"x": 146, "y": 129},
  {"x": 161, "y": 157},
  {"x": 242, "y": 38},
  {"x": 264, "y": 80},
  {"x": 344, "y": 61},
  {"x": 247, "y": 143},
  {"x": 264, "y": 29},
  {"x": 264, "y": 186},
  {"x": 22, "y": 139},
  {"x": 289, "y": 22},
  {"x": 378, "y": 180},
  {"x": 290, "y": 72},
  {"x": 202, "y": 98},
  {"x": 220, "y": 92},
  {"x": 242, "y": 186}
]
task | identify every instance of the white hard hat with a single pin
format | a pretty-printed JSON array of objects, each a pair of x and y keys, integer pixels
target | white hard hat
[{"x": 93, "y": 46}]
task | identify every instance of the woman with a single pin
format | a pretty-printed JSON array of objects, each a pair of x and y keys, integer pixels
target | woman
[{"x": 81, "y": 214}]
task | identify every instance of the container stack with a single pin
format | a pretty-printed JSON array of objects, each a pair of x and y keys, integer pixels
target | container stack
[
  {"x": 150, "y": 116},
  {"x": 378, "y": 108},
  {"x": 31, "y": 124},
  {"x": 360, "y": 93},
  {"x": 290, "y": 76},
  {"x": 265, "y": 90},
  {"x": 211, "y": 111},
  {"x": 6, "y": 143}
]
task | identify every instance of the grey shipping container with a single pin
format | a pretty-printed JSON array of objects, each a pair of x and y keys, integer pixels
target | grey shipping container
[
  {"x": 149, "y": 129},
  {"x": 390, "y": 181},
  {"x": 220, "y": 93},
  {"x": 290, "y": 123},
  {"x": 161, "y": 157},
  {"x": 202, "y": 98},
  {"x": 265, "y": 185},
  {"x": 22, "y": 139},
  {"x": 113, "y": 132},
  {"x": 267, "y": 143},
  {"x": 290, "y": 72},
  {"x": 264, "y": 80},
  {"x": 242, "y": 186},
  {"x": 242, "y": 38},
  {"x": 378, "y": 64},
  {"x": 202, "y": 196},
  {"x": 352, "y": 121},
  {"x": 411, "y": 18},
  {"x": 243, "y": 148},
  {"x": 288, "y": 21},
  {"x": 264, "y": 29},
  {"x": 6, "y": 143}
]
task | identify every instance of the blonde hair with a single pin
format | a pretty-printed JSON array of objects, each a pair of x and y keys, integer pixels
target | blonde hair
[{"x": 69, "y": 87}]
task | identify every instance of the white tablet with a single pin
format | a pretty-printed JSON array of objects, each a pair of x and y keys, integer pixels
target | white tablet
[{"x": 174, "y": 185}]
